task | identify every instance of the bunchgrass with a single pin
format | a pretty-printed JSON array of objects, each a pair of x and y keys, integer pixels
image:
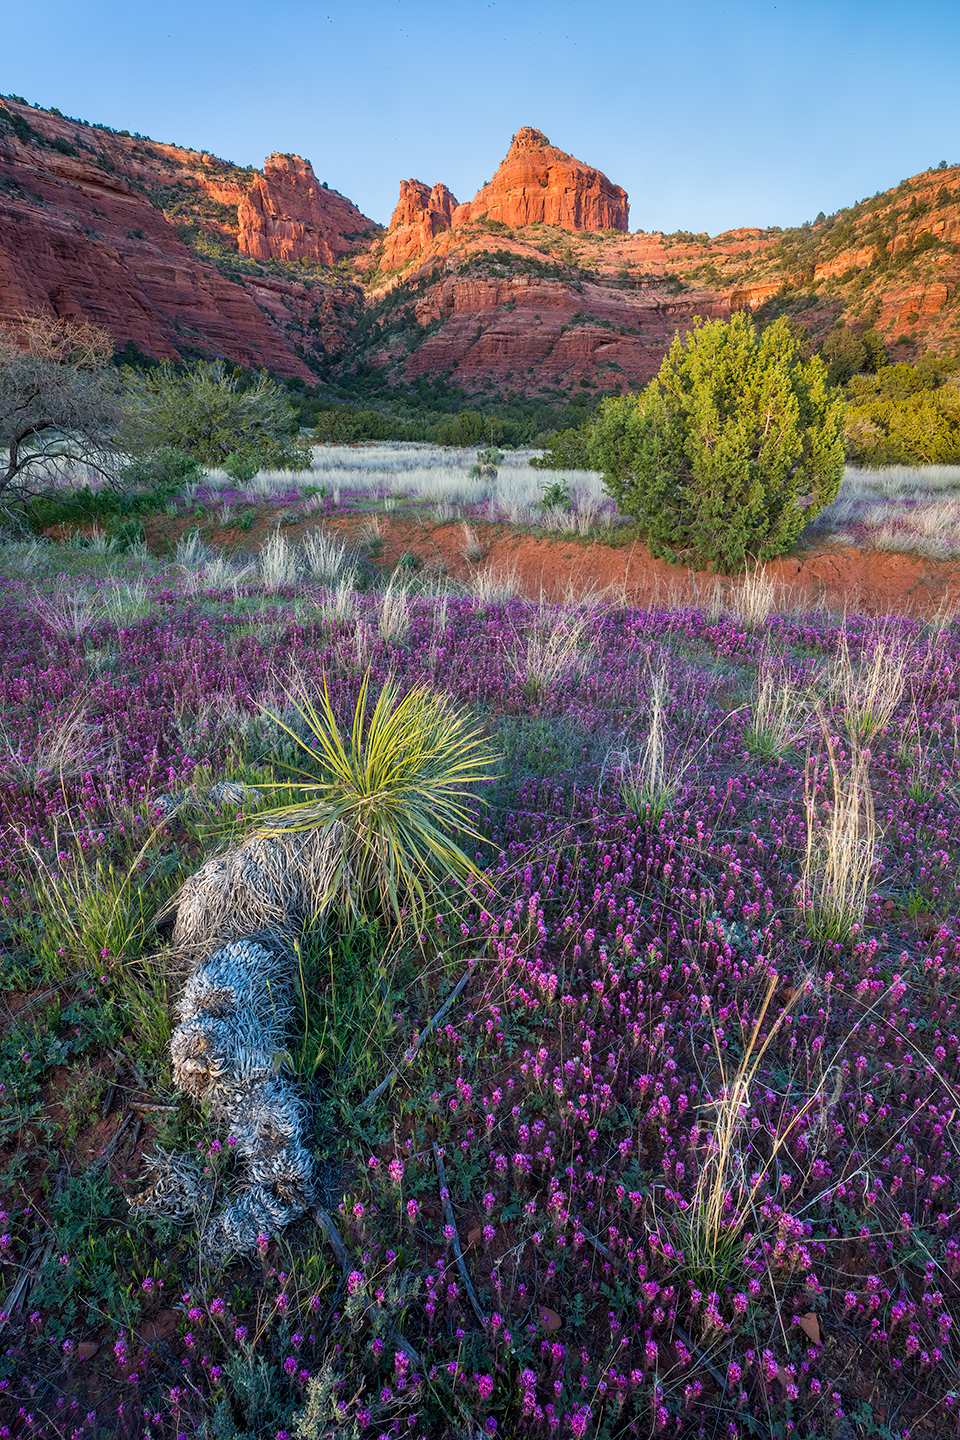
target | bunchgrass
[
  {"x": 91, "y": 912},
  {"x": 723, "y": 1217},
  {"x": 841, "y": 849},
  {"x": 779, "y": 713},
  {"x": 868, "y": 689}
]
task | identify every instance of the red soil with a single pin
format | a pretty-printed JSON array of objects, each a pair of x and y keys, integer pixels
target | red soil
[
  {"x": 841, "y": 578},
  {"x": 863, "y": 581}
]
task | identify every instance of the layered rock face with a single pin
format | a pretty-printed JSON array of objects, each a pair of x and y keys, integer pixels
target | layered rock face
[
  {"x": 537, "y": 183},
  {"x": 525, "y": 331},
  {"x": 421, "y": 214},
  {"x": 164, "y": 246},
  {"x": 288, "y": 215},
  {"x": 80, "y": 236}
]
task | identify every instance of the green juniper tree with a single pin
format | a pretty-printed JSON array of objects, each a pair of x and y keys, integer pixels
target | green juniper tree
[{"x": 729, "y": 451}]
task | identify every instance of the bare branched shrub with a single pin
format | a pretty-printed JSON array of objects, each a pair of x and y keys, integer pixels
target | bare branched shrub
[{"x": 60, "y": 403}]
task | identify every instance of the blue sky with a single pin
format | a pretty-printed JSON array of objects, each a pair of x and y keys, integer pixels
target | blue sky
[{"x": 710, "y": 115}]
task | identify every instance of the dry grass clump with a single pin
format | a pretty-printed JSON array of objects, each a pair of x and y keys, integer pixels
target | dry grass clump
[
  {"x": 68, "y": 612},
  {"x": 869, "y": 689},
  {"x": 278, "y": 562},
  {"x": 779, "y": 713},
  {"x": 647, "y": 782},
  {"x": 492, "y": 585},
  {"x": 191, "y": 552},
  {"x": 753, "y": 599},
  {"x": 551, "y": 649},
  {"x": 68, "y": 746},
  {"x": 393, "y": 612},
  {"x": 472, "y": 548},
  {"x": 720, "y": 1222},
  {"x": 841, "y": 850},
  {"x": 127, "y": 600},
  {"x": 327, "y": 558}
]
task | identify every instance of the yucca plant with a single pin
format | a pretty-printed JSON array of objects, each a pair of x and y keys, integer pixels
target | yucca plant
[{"x": 394, "y": 790}]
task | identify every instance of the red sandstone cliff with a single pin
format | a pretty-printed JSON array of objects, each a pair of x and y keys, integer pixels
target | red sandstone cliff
[
  {"x": 167, "y": 247},
  {"x": 537, "y": 183},
  {"x": 288, "y": 215},
  {"x": 421, "y": 214},
  {"x": 86, "y": 234}
]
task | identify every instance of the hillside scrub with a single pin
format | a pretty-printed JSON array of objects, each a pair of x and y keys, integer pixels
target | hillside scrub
[
  {"x": 212, "y": 414},
  {"x": 727, "y": 454},
  {"x": 905, "y": 414}
]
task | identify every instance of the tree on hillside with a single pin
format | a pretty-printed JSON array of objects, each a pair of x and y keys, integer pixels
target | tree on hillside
[
  {"x": 205, "y": 411},
  {"x": 59, "y": 405},
  {"x": 729, "y": 451}
]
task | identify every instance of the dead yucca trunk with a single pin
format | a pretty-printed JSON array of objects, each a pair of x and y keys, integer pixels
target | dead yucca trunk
[{"x": 272, "y": 882}]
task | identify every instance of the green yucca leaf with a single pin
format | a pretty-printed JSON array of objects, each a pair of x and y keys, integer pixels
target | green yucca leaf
[{"x": 395, "y": 790}]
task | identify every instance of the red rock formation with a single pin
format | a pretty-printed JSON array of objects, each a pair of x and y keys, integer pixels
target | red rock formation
[
  {"x": 559, "y": 330},
  {"x": 89, "y": 223},
  {"x": 537, "y": 182},
  {"x": 420, "y": 215},
  {"x": 76, "y": 238},
  {"x": 288, "y": 215}
]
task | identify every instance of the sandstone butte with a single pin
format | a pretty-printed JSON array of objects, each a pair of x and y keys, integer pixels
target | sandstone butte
[
  {"x": 534, "y": 281},
  {"x": 538, "y": 184},
  {"x": 288, "y": 215},
  {"x": 421, "y": 214},
  {"x": 99, "y": 233}
]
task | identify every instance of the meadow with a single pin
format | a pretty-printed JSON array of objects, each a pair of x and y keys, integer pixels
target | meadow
[
  {"x": 911, "y": 510},
  {"x": 678, "y": 1158}
]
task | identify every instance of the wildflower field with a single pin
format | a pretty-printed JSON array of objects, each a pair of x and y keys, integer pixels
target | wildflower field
[{"x": 679, "y": 1158}]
